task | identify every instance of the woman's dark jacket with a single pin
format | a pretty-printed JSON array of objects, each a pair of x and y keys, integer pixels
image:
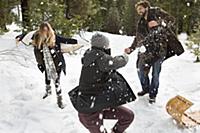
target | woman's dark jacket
[{"x": 56, "y": 53}]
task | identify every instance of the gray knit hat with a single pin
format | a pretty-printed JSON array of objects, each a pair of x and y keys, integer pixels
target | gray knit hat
[{"x": 100, "y": 41}]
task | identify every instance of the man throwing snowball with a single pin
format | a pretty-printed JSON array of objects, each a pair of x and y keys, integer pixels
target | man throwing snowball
[{"x": 156, "y": 42}]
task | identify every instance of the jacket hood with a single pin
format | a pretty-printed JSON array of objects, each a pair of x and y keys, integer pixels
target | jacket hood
[{"x": 91, "y": 55}]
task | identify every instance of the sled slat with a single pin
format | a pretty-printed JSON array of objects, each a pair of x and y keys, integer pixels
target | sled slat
[
  {"x": 191, "y": 119},
  {"x": 177, "y": 106}
]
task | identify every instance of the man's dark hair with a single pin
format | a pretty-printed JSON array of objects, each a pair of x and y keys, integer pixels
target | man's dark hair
[{"x": 143, "y": 3}]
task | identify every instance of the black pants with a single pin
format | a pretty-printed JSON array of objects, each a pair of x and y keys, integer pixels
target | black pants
[{"x": 57, "y": 83}]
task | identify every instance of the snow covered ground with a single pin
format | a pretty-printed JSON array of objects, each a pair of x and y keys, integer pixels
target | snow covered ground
[{"x": 22, "y": 109}]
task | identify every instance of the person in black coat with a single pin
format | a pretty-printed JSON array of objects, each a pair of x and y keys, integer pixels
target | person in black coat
[
  {"x": 102, "y": 90},
  {"x": 45, "y": 36},
  {"x": 156, "y": 42}
]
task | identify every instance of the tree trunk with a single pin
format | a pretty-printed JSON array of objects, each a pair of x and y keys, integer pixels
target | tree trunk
[
  {"x": 67, "y": 10},
  {"x": 197, "y": 59},
  {"x": 25, "y": 15}
]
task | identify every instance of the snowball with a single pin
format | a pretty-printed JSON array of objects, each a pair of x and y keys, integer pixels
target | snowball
[{"x": 142, "y": 49}]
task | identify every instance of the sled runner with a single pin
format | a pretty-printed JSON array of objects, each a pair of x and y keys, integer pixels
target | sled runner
[{"x": 177, "y": 107}]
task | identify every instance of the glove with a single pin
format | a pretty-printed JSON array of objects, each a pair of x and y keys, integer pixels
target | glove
[
  {"x": 128, "y": 50},
  {"x": 41, "y": 68},
  {"x": 126, "y": 58}
]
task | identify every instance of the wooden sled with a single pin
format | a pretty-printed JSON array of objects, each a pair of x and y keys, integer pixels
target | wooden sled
[
  {"x": 70, "y": 48},
  {"x": 177, "y": 107}
]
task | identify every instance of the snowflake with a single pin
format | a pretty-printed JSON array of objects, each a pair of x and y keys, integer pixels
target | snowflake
[
  {"x": 101, "y": 116},
  {"x": 188, "y": 4},
  {"x": 110, "y": 62},
  {"x": 52, "y": 51},
  {"x": 60, "y": 64},
  {"x": 102, "y": 129},
  {"x": 92, "y": 105},
  {"x": 164, "y": 24},
  {"x": 142, "y": 49}
]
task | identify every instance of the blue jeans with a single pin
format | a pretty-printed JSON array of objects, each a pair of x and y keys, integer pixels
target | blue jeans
[{"x": 143, "y": 73}]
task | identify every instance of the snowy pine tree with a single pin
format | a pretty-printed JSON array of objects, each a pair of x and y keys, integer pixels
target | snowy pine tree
[{"x": 194, "y": 44}]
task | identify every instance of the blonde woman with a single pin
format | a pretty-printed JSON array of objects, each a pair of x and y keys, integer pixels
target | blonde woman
[{"x": 47, "y": 49}]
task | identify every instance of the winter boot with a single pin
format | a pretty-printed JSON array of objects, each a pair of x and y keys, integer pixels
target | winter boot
[
  {"x": 142, "y": 93},
  {"x": 152, "y": 100},
  {"x": 48, "y": 91},
  {"x": 59, "y": 102}
]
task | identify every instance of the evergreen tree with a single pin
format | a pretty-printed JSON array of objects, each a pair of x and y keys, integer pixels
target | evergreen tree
[
  {"x": 130, "y": 18},
  {"x": 25, "y": 7},
  {"x": 194, "y": 44},
  {"x": 7, "y": 16},
  {"x": 112, "y": 22}
]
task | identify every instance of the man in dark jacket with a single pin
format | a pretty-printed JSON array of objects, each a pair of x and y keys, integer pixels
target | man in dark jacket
[
  {"x": 102, "y": 90},
  {"x": 156, "y": 42}
]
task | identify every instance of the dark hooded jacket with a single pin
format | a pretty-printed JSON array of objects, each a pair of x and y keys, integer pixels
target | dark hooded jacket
[
  {"x": 101, "y": 86},
  {"x": 174, "y": 47},
  {"x": 56, "y": 53}
]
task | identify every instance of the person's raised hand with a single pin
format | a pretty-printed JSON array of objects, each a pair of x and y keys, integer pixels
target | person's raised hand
[{"x": 127, "y": 50}]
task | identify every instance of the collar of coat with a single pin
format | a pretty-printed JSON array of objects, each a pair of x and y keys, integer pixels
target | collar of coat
[
  {"x": 107, "y": 51},
  {"x": 91, "y": 55}
]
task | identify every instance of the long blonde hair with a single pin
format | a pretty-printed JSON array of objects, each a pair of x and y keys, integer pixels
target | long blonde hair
[{"x": 40, "y": 39}]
